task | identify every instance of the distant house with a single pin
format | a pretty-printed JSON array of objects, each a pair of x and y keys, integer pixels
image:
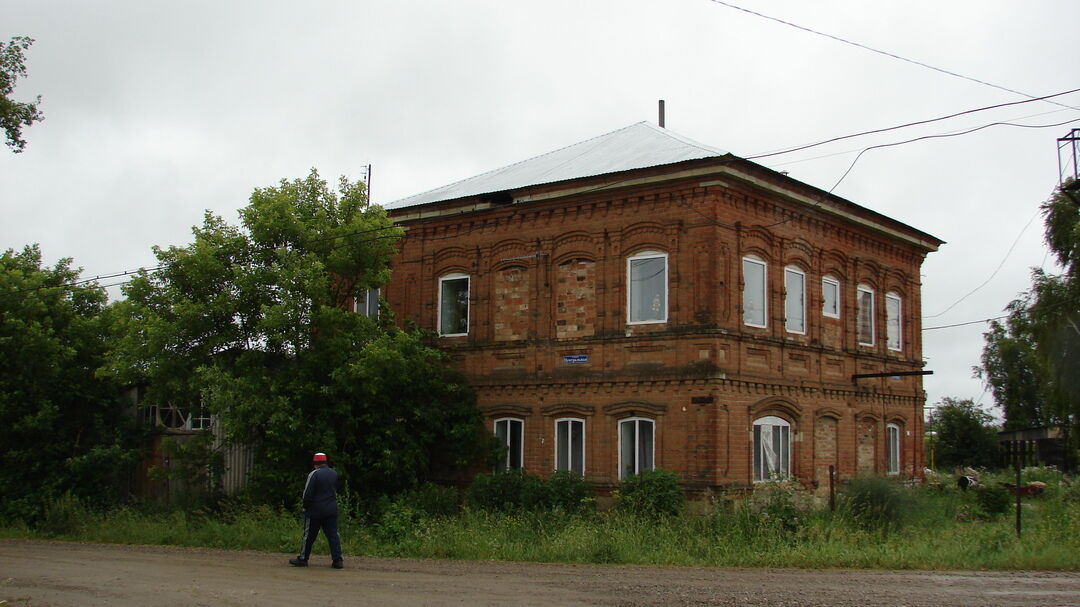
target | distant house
[{"x": 640, "y": 300}]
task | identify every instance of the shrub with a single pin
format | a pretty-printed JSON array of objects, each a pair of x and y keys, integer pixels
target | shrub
[
  {"x": 993, "y": 501},
  {"x": 508, "y": 491},
  {"x": 651, "y": 493},
  {"x": 64, "y": 515},
  {"x": 570, "y": 492},
  {"x": 877, "y": 502},
  {"x": 780, "y": 504},
  {"x": 433, "y": 500}
]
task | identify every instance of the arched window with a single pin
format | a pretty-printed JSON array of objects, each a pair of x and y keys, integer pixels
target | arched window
[
  {"x": 646, "y": 290},
  {"x": 830, "y": 297},
  {"x": 865, "y": 316},
  {"x": 772, "y": 448},
  {"x": 794, "y": 300},
  {"x": 454, "y": 305},
  {"x": 510, "y": 432},
  {"x": 892, "y": 452},
  {"x": 570, "y": 444},
  {"x": 754, "y": 302},
  {"x": 893, "y": 323},
  {"x": 636, "y": 442}
]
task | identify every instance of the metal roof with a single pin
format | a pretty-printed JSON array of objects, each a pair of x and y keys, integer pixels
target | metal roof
[{"x": 637, "y": 146}]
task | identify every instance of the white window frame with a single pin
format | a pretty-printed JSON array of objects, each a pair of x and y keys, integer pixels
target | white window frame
[
  {"x": 859, "y": 315},
  {"x": 507, "y": 463},
  {"x": 570, "y": 422},
  {"x": 789, "y": 273},
  {"x": 630, "y": 289},
  {"x": 782, "y": 468},
  {"x": 894, "y": 321},
  {"x": 637, "y": 456},
  {"x": 892, "y": 449},
  {"x": 468, "y": 285},
  {"x": 830, "y": 283},
  {"x": 753, "y": 259},
  {"x": 366, "y": 302}
]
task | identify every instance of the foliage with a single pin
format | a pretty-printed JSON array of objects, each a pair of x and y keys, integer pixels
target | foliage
[
  {"x": 62, "y": 428},
  {"x": 876, "y": 502},
  {"x": 508, "y": 491},
  {"x": 13, "y": 114},
  {"x": 993, "y": 500},
  {"x": 253, "y": 322},
  {"x": 1041, "y": 341},
  {"x": 780, "y": 504},
  {"x": 965, "y": 435},
  {"x": 569, "y": 492},
  {"x": 651, "y": 493}
]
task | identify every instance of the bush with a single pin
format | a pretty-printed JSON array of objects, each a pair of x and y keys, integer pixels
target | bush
[
  {"x": 508, "y": 491},
  {"x": 781, "y": 504},
  {"x": 64, "y": 515},
  {"x": 651, "y": 493},
  {"x": 570, "y": 492},
  {"x": 993, "y": 501},
  {"x": 877, "y": 502},
  {"x": 433, "y": 500}
]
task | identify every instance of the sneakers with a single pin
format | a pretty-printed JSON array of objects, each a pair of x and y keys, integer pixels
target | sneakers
[
  {"x": 298, "y": 562},
  {"x": 338, "y": 565}
]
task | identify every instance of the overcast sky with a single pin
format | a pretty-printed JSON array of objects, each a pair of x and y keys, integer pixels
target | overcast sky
[{"x": 158, "y": 111}]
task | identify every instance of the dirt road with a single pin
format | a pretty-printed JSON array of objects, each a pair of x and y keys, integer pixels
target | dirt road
[{"x": 39, "y": 574}]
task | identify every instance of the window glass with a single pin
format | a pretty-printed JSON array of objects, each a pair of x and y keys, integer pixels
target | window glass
[
  {"x": 892, "y": 321},
  {"x": 865, "y": 320},
  {"x": 454, "y": 305},
  {"x": 570, "y": 445},
  {"x": 772, "y": 448},
  {"x": 794, "y": 300},
  {"x": 509, "y": 432},
  {"x": 647, "y": 293},
  {"x": 892, "y": 443},
  {"x": 753, "y": 292},
  {"x": 367, "y": 303},
  {"x": 635, "y": 446},
  {"x": 830, "y": 297}
]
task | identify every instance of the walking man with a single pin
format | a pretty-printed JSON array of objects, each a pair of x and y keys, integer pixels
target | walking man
[{"x": 320, "y": 512}]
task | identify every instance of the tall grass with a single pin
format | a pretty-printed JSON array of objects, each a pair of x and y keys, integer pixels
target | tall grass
[{"x": 941, "y": 528}]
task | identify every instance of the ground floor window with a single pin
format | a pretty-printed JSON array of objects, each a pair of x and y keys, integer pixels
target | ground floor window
[
  {"x": 635, "y": 445},
  {"x": 509, "y": 431},
  {"x": 772, "y": 448},
  {"x": 570, "y": 445},
  {"x": 892, "y": 454}
]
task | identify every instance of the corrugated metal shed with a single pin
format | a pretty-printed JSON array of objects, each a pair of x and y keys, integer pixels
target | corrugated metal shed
[{"x": 637, "y": 146}]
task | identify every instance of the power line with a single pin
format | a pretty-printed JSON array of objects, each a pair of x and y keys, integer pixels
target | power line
[{"x": 881, "y": 52}]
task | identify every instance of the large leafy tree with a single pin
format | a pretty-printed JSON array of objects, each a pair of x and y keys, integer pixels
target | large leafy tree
[
  {"x": 1031, "y": 361},
  {"x": 963, "y": 435},
  {"x": 63, "y": 428},
  {"x": 253, "y": 322},
  {"x": 14, "y": 115}
]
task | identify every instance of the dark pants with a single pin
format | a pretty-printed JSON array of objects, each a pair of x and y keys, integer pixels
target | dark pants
[{"x": 311, "y": 531}]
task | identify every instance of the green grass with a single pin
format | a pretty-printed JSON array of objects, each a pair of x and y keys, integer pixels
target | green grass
[{"x": 941, "y": 529}]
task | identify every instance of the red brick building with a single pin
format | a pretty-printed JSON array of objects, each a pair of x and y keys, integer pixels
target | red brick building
[{"x": 641, "y": 300}]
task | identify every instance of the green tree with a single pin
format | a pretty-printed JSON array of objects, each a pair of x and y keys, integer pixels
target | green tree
[
  {"x": 1013, "y": 371},
  {"x": 63, "y": 429},
  {"x": 964, "y": 435},
  {"x": 254, "y": 323},
  {"x": 15, "y": 115}
]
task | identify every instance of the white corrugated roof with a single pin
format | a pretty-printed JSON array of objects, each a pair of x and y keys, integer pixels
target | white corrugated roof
[{"x": 637, "y": 146}]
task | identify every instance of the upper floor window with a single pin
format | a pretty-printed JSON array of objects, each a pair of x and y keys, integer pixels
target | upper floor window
[
  {"x": 892, "y": 321},
  {"x": 635, "y": 446},
  {"x": 510, "y": 433},
  {"x": 454, "y": 305},
  {"x": 647, "y": 287},
  {"x": 753, "y": 292},
  {"x": 892, "y": 449},
  {"x": 794, "y": 300},
  {"x": 366, "y": 303},
  {"x": 570, "y": 445},
  {"x": 830, "y": 297},
  {"x": 772, "y": 448},
  {"x": 865, "y": 316}
]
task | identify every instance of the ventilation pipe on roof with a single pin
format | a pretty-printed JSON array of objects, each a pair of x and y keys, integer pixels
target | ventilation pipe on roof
[{"x": 661, "y": 113}]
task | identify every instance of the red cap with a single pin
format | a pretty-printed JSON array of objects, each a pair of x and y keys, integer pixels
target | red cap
[{"x": 319, "y": 457}]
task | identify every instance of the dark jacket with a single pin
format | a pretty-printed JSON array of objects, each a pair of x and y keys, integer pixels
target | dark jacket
[{"x": 320, "y": 493}]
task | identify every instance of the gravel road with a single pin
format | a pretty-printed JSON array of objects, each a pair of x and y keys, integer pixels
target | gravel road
[{"x": 39, "y": 574}]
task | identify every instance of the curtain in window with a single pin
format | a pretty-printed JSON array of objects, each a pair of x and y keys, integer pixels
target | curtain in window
[
  {"x": 454, "y": 307},
  {"x": 753, "y": 292},
  {"x": 866, "y": 317},
  {"x": 648, "y": 283}
]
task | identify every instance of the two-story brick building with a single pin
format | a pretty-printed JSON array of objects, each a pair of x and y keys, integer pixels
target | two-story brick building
[{"x": 641, "y": 300}]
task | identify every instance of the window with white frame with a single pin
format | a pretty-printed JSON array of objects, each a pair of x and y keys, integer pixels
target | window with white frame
[
  {"x": 865, "y": 316},
  {"x": 753, "y": 292},
  {"x": 794, "y": 300},
  {"x": 893, "y": 323},
  {"x": 635, "y": 445},
  {"x": 570, "y": 445},
  {"x": 830, "y": 297},
  {"x": 772, "y": 448},
  {"x": 454, "y": 305},
  {"x": 366, "y": 303},
  {"x": 510, "y": 431},
  {"x": 892, "y": 446},
  {"x": 646, "y": 293}
]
